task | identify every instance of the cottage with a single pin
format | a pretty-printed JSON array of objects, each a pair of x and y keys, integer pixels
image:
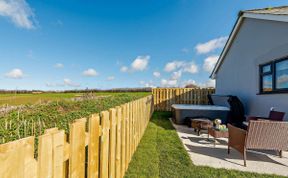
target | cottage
[{"x": 254, "y": 62}]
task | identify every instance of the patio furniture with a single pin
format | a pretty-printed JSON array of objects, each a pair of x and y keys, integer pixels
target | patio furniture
[
  {"x": 201, "y": 124},
  {"x": 217, "y": 134},
  {"x": 183, "y": 111},
  {"x": 236, "y": 114},
  {"x": 273, "y": 115},
  {"x": 261, "y": 134}
]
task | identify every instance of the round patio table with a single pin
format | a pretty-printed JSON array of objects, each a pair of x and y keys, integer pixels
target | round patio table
[
  {"x": 217, "y": 134},
  {"x": 200, "y": 124}
]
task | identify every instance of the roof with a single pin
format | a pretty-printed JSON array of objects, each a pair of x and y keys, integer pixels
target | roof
[
  {"x": 272, "y": 13},
  {"x": 282, "y": 10}
]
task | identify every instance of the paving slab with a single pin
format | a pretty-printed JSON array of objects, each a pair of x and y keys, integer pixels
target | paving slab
[{"x": 203, "y": 153}]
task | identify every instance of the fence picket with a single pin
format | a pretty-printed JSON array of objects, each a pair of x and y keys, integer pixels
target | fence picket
[
  {"x": 104, "y": 150},
  {"x": 58, "y": 153},
  {"x": 123, "y": 139},
  {"x": 111, "y": 141},
  {"x": 112, "y": 146},
  {"x": 118, "y": 142},
  {"x": 45, "y": 154},
  {"x": 93, "y": 147},
  {"x": 165, "y": 98}
]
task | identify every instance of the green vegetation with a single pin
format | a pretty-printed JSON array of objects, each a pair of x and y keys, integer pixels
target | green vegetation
[
  {"x": 161, "y": 154},
  {"x": 32, "y": 120},
  {"x": 30, "y": 98},
  {"x": 18, "y": 99}
]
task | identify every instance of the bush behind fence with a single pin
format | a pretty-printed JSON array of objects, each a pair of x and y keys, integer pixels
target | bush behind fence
[{"x": 103, "y": 147}]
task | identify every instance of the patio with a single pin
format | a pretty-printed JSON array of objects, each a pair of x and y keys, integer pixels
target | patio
[{"x": 203, "y": 153}]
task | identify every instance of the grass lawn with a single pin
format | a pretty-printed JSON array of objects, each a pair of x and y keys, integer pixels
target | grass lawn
[{"x": 161, "y": 154}]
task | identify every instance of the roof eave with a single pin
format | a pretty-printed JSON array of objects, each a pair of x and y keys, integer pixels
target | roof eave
[
  {"x": 227, "y": 45},
  {"x": 241, "y": 16}
]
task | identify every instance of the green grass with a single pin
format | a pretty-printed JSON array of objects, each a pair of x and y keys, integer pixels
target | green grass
[
  {"x": 28, "y": 99},
  {"x": 161, "y": 154},
  {"x": 32, "y": 120}
]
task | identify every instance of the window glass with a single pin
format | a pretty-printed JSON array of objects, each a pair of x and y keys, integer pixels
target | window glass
[
  {"x": 267, "y": 83},
  {"x": 282, "y": 74},
  {"x": 266, "y": 68}
]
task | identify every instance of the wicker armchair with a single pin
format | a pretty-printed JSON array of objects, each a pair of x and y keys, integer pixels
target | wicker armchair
[
  {"x": 273, "y": 115},
  {"x": 261, "y": 134}
]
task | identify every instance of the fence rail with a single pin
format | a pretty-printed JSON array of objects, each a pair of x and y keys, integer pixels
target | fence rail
[
  {"x": 165, "y": 97},
  {"x": 101, "y": 147}
]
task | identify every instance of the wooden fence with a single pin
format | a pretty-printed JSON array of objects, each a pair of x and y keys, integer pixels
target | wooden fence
[
  {"x": 165, "y": 97},
  {"x": 103, "y": 147}
]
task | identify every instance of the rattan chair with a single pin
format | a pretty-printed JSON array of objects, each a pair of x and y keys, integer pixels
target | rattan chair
[
  {"x": 261, "y": 134},
  {"x": 273, "y": 115}
]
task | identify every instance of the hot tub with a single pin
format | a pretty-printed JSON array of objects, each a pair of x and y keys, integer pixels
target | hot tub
[{"x": 183, "y": 111}]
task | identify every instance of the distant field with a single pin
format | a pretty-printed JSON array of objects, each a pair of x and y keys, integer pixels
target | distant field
[
  {"x": 32, "y": 120},
  {"x": 19, "y": 99}
]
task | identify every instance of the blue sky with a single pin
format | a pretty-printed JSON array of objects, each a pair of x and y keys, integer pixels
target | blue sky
[{"x": 58, "y": 45}]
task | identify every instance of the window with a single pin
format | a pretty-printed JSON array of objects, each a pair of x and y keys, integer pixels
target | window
[
  {"x": 274, "y": 76},
  {"x": 282, "y": 74}
]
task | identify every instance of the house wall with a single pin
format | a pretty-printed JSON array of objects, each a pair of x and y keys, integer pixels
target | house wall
[{"x": 257, "y": 42}]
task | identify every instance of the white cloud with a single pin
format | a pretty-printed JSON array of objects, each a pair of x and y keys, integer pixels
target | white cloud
[
  {"x": 209, "y": 63},
  {"x": 169, "y": 83},
  {"x": 110, "y": 78},
  {"x": 190, "y": 68},
  {"x": 66, "y": 82},
  {"x": 203, "y": 48},
  {"x": 184, "y": 66},
  {"x": 19, "y": 12},
  {"x": 69, "y": 82},
  {"x": 208, "y": 83},
  {"x": 187, "y": 82},
  {"x": 140, "y": 63},
  {"x": 156, "y": 74},
  {"x": 211, "y": 83},
  {"x": 90, "y": 73},
  {"x": 176, "y": 75},
  {"x": 58, "y": 65},
  {"x": 142, "y": 82},
  {"x": 15, "y": 74},
  {"x": 147, "y": 84},
  {"x": 185, "y": 50},
  {"x": 124, "y": 69},
  {"x": 171, "y": 66}
]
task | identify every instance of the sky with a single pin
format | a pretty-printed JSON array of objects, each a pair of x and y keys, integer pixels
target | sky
[{"x": 61, "y": 45}]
